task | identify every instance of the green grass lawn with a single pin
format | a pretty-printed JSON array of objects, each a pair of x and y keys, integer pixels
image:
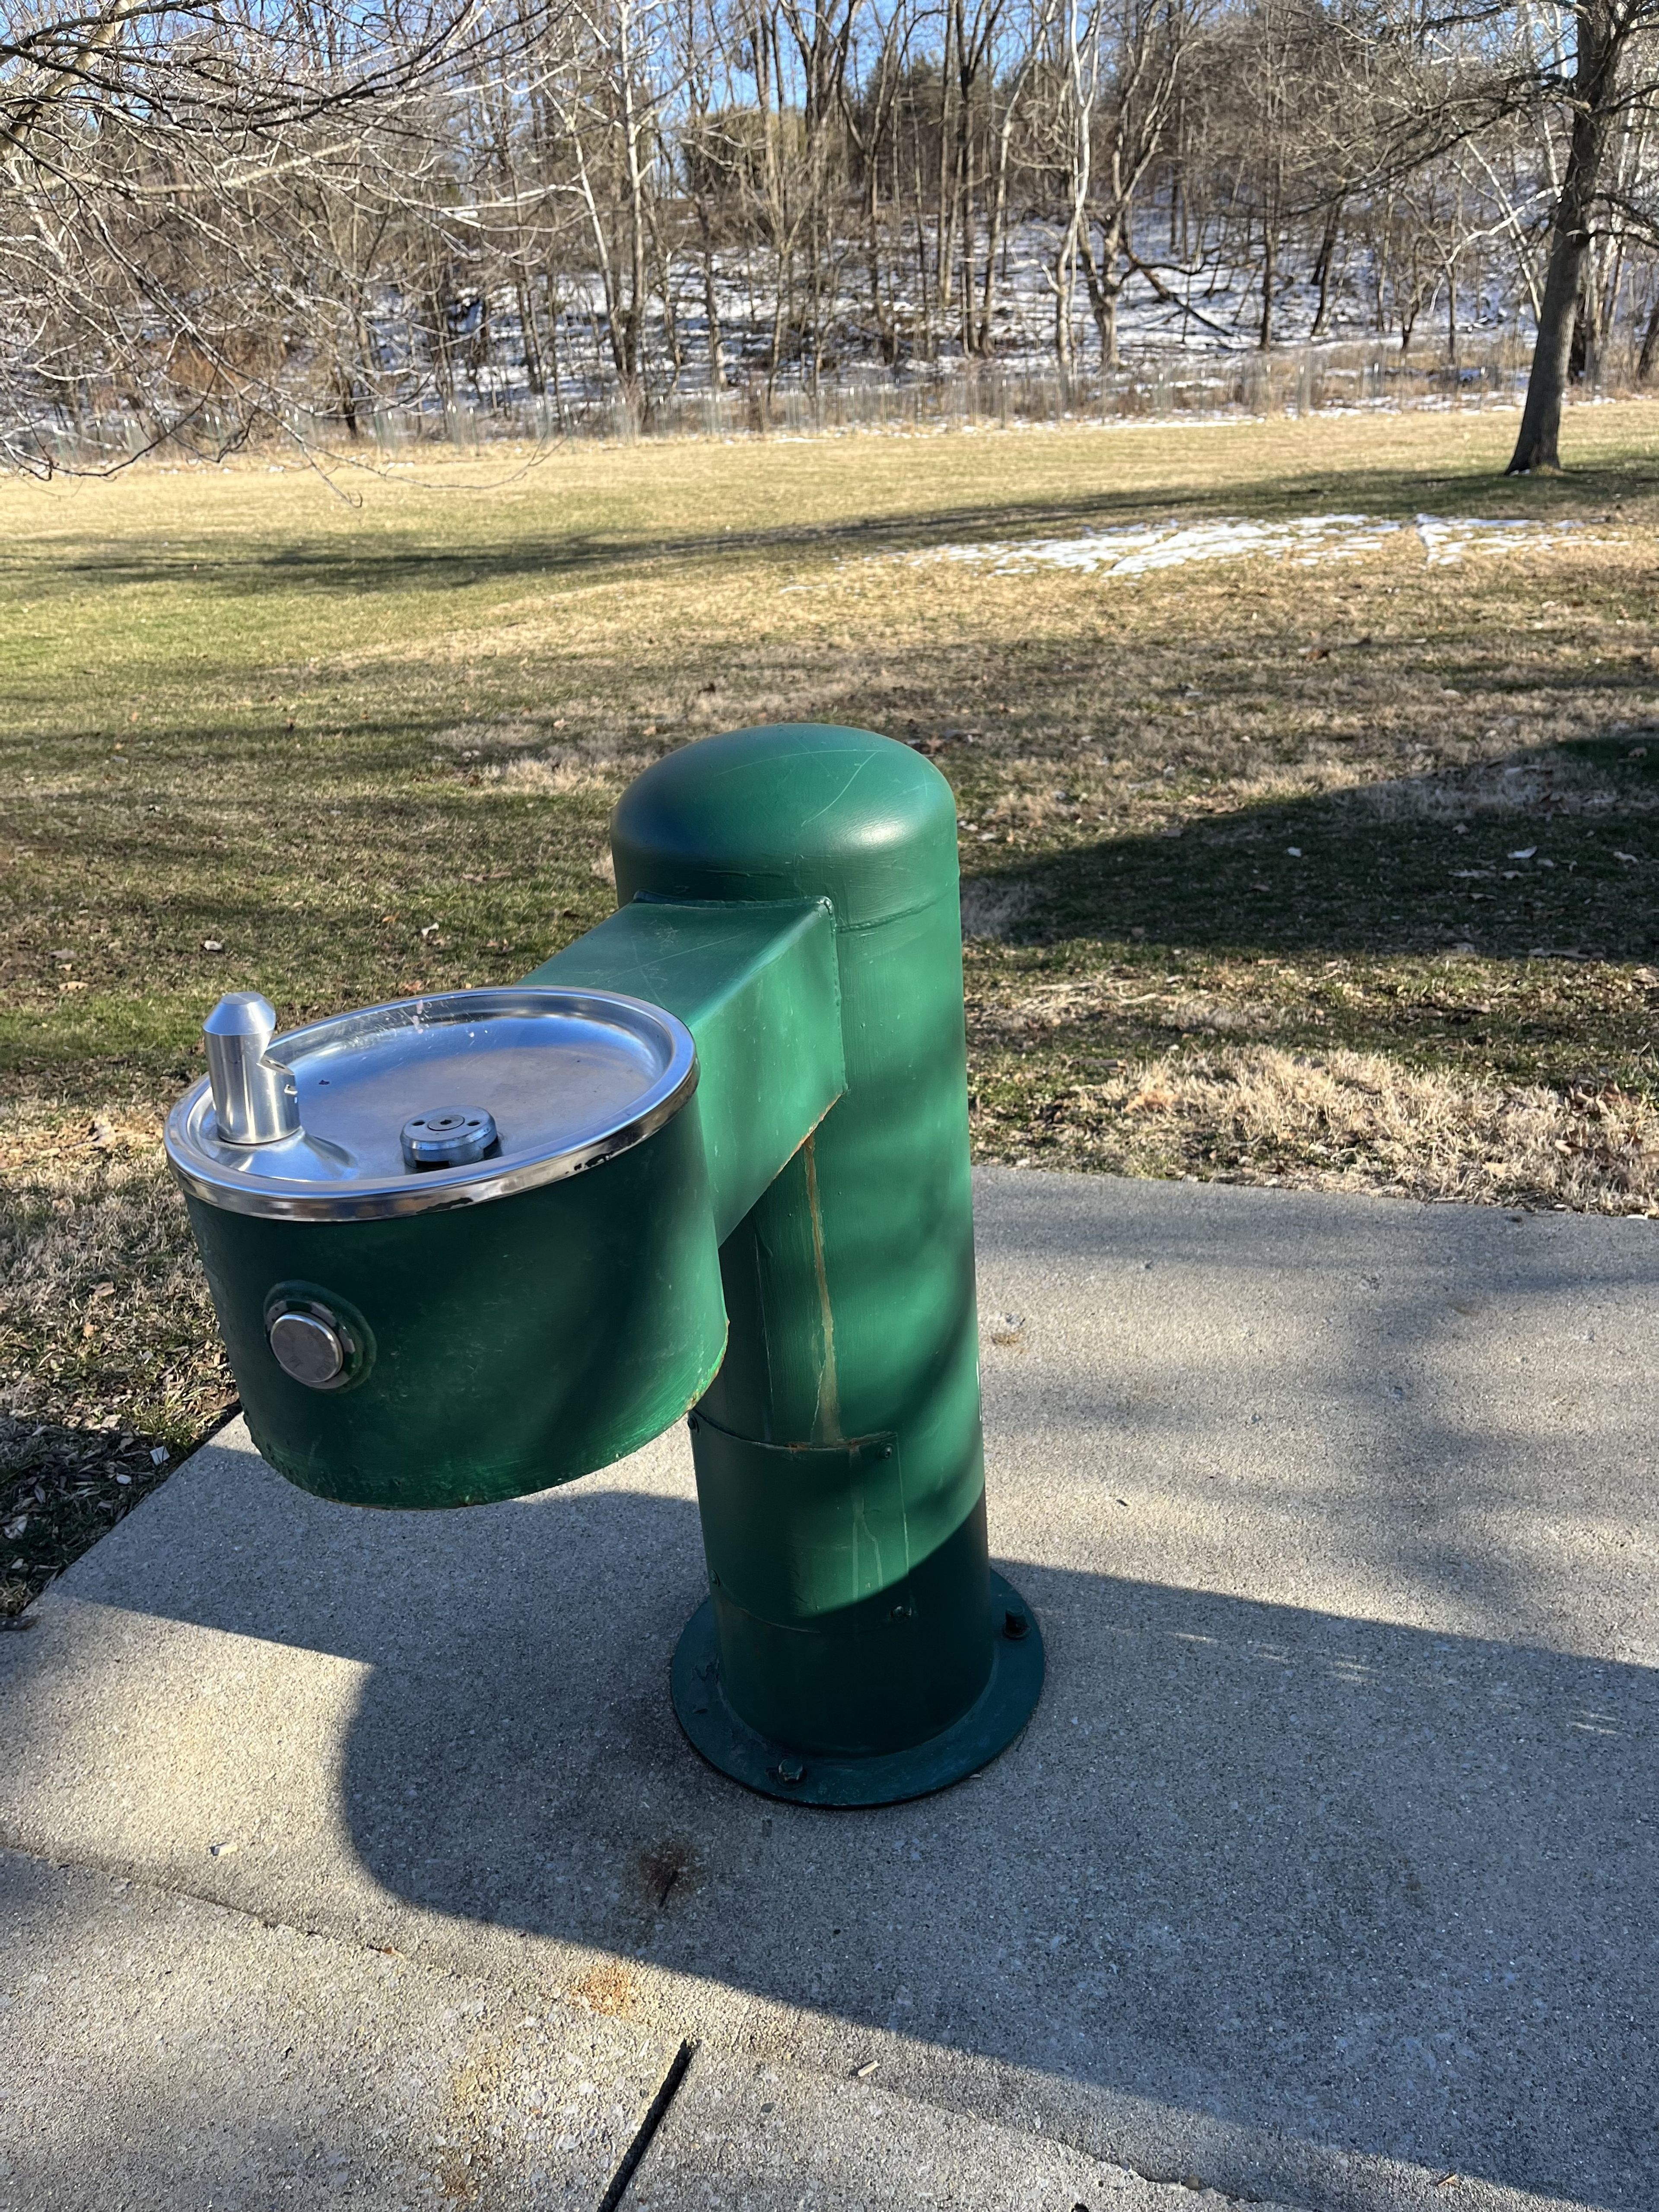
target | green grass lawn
[{"x": 1243, "y": 899}]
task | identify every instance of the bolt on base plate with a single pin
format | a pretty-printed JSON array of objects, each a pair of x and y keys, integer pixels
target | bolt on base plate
[{"x": 777, "y": 1770}]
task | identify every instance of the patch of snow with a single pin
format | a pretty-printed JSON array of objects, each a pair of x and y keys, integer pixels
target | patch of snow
[
  {"x": 1136, "y": 549},
  {"x": 1448, "y": 541}
]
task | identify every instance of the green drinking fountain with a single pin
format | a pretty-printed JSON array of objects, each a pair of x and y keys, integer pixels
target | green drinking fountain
[{"x": 710, "y": 1161}]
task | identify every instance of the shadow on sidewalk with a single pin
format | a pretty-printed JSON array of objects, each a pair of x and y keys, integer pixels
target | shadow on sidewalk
[
  {"x": 1327, "y": 1886},
  {"x": 1321, "y": 1903}
]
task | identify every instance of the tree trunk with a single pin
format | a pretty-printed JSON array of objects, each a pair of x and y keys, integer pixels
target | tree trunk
[
  {"x": 711, "y": 303},
  {"x": 1269, "y": 243},
  {"x": 635, "y": 390},
  {"x": 945, "y": 205},
  {"x": 996, "y": 231},
  {"x": 886, "y": 340},
  {"x": 1650, "y": 352},
  {"x": 1601, "y": 41},
  {"x": 530, "y": 338},
  {"x": 1104, "y": 280},
  {"x": 1324, "y": 267}
]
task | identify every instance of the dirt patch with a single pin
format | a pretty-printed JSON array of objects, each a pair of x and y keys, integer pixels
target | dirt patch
[{"x": 608, "y": 1989}]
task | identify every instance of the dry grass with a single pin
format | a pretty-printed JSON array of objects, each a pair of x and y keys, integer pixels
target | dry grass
[
  {"x": 1343, "y": 1121},
  {"x": 1239, "y": 842},
  {"x": 110, "y": 1366}
]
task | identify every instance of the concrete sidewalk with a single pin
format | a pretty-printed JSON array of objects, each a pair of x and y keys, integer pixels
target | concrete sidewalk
[{"x": 356, "y": 1859}]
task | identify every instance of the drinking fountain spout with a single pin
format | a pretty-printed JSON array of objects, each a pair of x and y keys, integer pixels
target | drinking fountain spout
[{"x": 254, "y": 1101}]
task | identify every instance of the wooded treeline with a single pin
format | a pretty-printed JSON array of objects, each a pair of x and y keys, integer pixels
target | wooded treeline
[{"x": 218, "y": 217}]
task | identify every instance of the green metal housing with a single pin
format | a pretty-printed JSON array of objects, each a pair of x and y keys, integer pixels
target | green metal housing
[
  {"x": 840, "y": 1469},
  {"x": 758, "y": 988}
]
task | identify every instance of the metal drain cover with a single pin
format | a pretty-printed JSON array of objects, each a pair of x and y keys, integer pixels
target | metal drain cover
[{"x": 448, "y": 1137}]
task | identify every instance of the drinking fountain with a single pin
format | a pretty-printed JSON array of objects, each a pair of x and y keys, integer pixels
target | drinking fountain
[{"x": 710, "y": 1161}]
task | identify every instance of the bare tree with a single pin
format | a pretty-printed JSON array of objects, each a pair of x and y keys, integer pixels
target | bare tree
[
  {"x": 1149, "y": 45},
  {"x": 220, "y": 220},
  {"x": 142, "y": 144},
  {"x": 1595, "y": 102}
]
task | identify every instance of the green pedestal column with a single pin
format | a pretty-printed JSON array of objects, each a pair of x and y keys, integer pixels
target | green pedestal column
[{"x": 855, "y": 1647}]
